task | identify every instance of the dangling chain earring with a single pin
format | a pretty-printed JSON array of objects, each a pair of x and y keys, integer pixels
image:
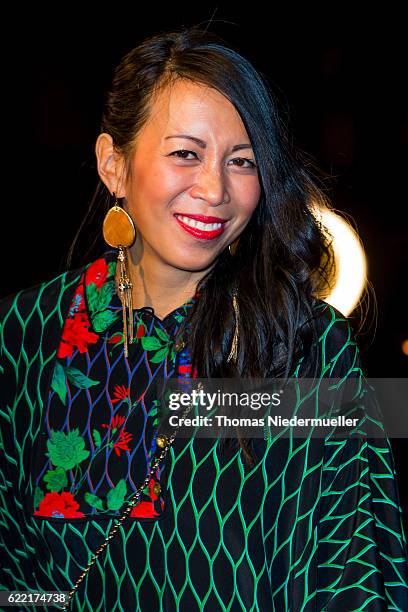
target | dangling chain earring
[
  {"x": 234, "y": 347},
  {"x": 119, "y": 232}
]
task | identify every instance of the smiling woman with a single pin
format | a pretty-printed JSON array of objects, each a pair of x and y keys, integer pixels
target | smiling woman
[
  {"x": 187, "y": 205},
  {"x": 213, "y": 266}
]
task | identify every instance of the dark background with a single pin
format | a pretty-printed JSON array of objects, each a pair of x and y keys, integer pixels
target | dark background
[{"x": 340, "y": 78}]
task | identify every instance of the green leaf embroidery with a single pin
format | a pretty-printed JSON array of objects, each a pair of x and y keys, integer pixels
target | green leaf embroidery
[
  {"x": 79, "y": 379},
  {"x": 162, "y": 334},
  {"x": 93, "y": 500},
  {"x": 116, "y": 496},
  {"x": 66, "y": 450},
  {"x": 56, "y": 479},
  {"x": 38, "y": 497},
  {"x": 150, "y": 343},
  {"x": 93, "y": 298},
  {"x": 102, "y": 320},
  {"x": 58, "y": 383},
  {"x": 160, "y": 355},
  {"x": 154, "y": 411},
  {"x": 97, "y": 437},
  {"x": 111, "y": 268},
  {"x": 98, "y": 299}
]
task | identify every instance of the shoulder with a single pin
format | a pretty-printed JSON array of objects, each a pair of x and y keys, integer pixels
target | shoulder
[
  {"x": 337, "y": 345},
  {"x": 33, "y": 310},
  {"x": 333, "y": 326},
  {"x": 41, "y": 294}
]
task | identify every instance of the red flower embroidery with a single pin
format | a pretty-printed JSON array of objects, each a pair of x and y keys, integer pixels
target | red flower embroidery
[
  {"x": 115, "y": 338},
  {"x": 122, "y": 443},
  {"x": 115, "y": 423},
  {"x": 140, "y": 331},
  {"x": 144, "y": 509},
  {"x": 97, "y": 273},
  {"x": 61, "y": 505},
  {"x": 152, "y": 494},
  {"x": 76, "y": 333},
  {"x": 121, "y": 392},
  {"x": 124, "y": 437}
]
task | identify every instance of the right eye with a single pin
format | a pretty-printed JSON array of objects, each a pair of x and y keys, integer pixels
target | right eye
[{"x": 182, "y": 151}]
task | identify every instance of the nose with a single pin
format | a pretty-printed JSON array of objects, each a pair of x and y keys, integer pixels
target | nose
[{"x": 210, "y": 187}]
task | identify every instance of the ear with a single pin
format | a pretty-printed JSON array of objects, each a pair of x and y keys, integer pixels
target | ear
[{"x": 110, "y": 165}]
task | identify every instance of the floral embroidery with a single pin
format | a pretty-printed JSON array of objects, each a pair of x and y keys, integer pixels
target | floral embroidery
[
  {"x": 66, "y": 450},
  {"x": 59, "y": 505},
  {"x": 141, "y": 330},
  {"x": 160, "y": 343},
  {"x": 97, "y": 273},
  {"x": 63, "y": 373},
  {"x": 144, "y": 509},
  {"x": 121, "y": 393},
  {"x": 124, "y": 437},
  {"x": 76, "y": 334},
  {"x": 79, "y": 470},
  {"x": 152, "y": 489},
  {"x": 118, "y": 339},
  {"x": 115, "y": 338},
  {"x": 114, "y": 499},
  {"x": 99, "y": 291}
]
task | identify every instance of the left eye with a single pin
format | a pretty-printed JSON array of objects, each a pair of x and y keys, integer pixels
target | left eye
[{"x": 183, "y": 151}]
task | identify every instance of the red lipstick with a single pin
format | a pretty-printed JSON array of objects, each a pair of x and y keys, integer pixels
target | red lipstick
[{"x": 199, "y": 233}]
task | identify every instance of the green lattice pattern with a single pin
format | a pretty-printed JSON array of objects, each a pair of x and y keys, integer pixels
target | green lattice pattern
[{"x": 325, "y": 515}]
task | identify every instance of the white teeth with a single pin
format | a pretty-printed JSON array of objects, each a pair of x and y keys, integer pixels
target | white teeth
[{"x": 207, "y": 227}]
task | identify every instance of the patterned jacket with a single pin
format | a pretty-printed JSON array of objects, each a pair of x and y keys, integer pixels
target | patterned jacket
[{"x": 317, "y": 525}]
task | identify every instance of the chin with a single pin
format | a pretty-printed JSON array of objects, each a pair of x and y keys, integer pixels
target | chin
[{"x": 192, "y": 264}]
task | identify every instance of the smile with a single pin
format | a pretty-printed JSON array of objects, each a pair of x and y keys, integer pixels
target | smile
[
  {"x": 199, "y": 229},
  {"x": 199, "y": 224}
]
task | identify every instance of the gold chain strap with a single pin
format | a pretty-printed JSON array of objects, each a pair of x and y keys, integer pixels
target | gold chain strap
[{"x": 162, "y": 442}]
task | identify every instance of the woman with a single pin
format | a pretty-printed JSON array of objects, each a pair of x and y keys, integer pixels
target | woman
[{"x": 211, "y": 266}]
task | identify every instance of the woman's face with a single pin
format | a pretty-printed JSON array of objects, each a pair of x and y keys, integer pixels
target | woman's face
[{"x": 178, "y": 180}]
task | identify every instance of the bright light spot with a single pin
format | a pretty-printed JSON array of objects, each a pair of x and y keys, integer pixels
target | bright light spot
[
  {"x": 404, "y": 347},
  {"x": 351, "y": 265}
]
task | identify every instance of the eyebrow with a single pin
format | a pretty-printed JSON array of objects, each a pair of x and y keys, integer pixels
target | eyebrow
[{"x": 202, "y": 144}]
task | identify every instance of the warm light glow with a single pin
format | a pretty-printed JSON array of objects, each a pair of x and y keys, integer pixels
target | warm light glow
[
  {"x": 350, "y": 259},
  {"x": 404, "y": 347}
]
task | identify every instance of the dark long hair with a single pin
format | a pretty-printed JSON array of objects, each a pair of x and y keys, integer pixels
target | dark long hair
[{"x": 284, "y": 258}]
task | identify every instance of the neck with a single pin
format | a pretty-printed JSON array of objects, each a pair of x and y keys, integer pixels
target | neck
[{"x": 159, "y": 285}]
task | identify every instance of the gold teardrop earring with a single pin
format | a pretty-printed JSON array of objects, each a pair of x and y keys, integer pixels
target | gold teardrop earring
[{"x": 119, "y": 232}]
